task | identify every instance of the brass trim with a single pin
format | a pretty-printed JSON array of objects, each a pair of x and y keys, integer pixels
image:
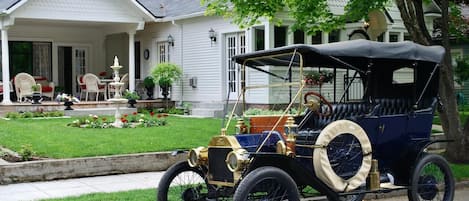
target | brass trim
[{"x": 221, "y": 183}]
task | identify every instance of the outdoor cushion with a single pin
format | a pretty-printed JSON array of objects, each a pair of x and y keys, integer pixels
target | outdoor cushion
[{"x": 46, "y": 89}]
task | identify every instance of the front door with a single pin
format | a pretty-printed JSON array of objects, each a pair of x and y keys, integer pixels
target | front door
[
  {"x": 235, "y": 43},
  {"x": 80, "y": 62}
]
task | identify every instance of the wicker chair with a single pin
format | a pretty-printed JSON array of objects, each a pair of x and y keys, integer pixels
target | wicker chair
[
  {"x": 23, "y": 86},
  {"x": 81, "y": 86},
  {"x": 94, "y": 85}
]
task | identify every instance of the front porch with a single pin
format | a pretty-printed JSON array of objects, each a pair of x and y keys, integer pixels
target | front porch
[{"x": 82, "y": 108}]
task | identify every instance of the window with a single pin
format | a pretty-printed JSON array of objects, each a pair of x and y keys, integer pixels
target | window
[
  {"x": 393, "y": 37},
  {"x": 403, "y": 76},
  {"x": 259, "y": 38},
  {"x": 34, "y": 58},
  {"x": 299, "y": 37},
  {"x": 407, "y": 37},
  {"x": 162, "y": 52},
  {"x": 280, "y": 36},
  {"x": 334, "y": 36},
  {"x": 316, "y": 38}
]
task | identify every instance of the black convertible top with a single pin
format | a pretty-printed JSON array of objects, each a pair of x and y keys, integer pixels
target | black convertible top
[{"x": 358, "y": 53}]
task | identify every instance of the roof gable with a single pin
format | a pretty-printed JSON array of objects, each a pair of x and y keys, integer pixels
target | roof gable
[{"x": 83, "y": 10}]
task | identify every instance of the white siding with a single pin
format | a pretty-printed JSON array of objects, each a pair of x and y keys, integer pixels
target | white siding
[
  {"x": 153, "y": 34},
  {"x": 204, "y": 60}
]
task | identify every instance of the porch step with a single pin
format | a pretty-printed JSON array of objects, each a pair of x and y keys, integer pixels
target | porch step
[
  {"x": 204, "y": 112},
  {"x": 207, "y": 109},
  {"x": 99, "y": 111}
]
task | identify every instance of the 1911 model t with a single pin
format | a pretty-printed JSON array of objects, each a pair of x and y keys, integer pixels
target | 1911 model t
[{"x": 340, "y": 148}]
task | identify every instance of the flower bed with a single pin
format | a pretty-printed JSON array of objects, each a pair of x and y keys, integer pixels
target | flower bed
[{"x": 128, "y": 121}]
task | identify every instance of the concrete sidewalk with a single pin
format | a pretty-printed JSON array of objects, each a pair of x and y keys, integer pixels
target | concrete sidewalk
[{"x": 74, "y": 187}]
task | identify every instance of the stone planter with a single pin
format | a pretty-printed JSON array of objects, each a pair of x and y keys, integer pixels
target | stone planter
[{"x": 68, "y": 105}]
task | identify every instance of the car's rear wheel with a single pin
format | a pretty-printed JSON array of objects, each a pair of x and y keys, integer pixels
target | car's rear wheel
[
  {"x": 267, "y": 183},
  {"x": 431, "y": 180},
  {"x": 182, "y": 182}
]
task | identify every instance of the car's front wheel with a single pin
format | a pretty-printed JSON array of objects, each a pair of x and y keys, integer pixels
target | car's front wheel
[
  {"x": 182, "y": 182},
  {"x": 267, "y": 183}
]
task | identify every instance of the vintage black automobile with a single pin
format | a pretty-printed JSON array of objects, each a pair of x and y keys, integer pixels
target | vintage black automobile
[{"x": 336, "y": 145}]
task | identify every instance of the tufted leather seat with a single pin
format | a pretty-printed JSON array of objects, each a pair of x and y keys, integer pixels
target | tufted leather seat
[
  {"x": 343, "y": 111},
  {"x": 387, "y": 106}
]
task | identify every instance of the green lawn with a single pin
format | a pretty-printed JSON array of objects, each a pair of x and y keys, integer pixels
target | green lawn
[
  {"x": 135, "y": 195},
  {"x": 53, "y": 138}
]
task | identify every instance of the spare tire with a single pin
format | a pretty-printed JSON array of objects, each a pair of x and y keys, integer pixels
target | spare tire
[{"x": 327, "y": 139}]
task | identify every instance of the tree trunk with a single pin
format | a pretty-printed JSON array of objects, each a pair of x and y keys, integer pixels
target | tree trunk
[
  {"x": 449, "y": 115},
  {"x": 411, "y": 13}
]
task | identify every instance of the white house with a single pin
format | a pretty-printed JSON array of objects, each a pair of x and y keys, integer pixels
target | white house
[{"x": 74, "y": 37}]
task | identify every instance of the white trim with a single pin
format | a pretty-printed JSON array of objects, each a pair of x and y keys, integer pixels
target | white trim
[
  {"x": 14, "y": 7},
  {"x": 181, "y": 17},
  {"x": 141, "y": 8}
]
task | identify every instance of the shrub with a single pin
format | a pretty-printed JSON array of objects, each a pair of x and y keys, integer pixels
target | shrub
[
  {"x": 26, "y": 152},
  {"x": 16, "y": 115}
]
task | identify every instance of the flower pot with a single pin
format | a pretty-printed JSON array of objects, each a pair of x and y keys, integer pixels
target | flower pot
[
  {"x": 36, "y": 98},
  {"x": 165, "y": 91},
  {"x": 68, "y": 105},
  {"x": 132, "y": 103},
  {"x": 150, "y": 93}
]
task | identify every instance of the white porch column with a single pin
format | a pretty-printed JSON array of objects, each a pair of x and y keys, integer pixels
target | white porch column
[
  {"x": 132, "y": 61},
  {"x": 268, "y": 35},
  {"x": 325, "y": 37},
  {"x": 250, "y": 38},
  {"x": 401, "y": 37},
  {"x": 5, "y": 67},
  {"x": 386, "y": 37}
]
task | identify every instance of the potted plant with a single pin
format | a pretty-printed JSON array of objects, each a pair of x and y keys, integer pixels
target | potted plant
[
  {"x": 165, "y": 74},
  {"x": 132, "y": 96},
  {"x": 149, "y": 84},
  {"x": 313, "y": 78},
  {"x": 67, "y": 99},
  {"x": 36, "y": 88}
]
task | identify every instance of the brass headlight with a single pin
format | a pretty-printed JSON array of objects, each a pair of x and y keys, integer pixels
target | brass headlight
[
  {"x": 281, "y": 147},
  {"x": 237, "y": 159},
  {"x": 197, "y": 156}
]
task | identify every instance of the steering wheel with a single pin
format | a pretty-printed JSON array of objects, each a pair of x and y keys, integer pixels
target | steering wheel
[{"x": 315, "y": 104}]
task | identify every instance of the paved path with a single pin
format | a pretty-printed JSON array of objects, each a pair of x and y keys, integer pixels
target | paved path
[
  {"x": 113, "y": 183},
  {"x": 73, "y": 187}
]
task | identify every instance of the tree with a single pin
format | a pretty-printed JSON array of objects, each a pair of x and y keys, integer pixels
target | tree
[{"x": 314, "y": 15}]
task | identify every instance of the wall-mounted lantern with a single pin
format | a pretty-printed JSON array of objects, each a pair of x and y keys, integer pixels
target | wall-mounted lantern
[
  {"x": 170, "y": 40},
  {"x": 212, "y": 35}
]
